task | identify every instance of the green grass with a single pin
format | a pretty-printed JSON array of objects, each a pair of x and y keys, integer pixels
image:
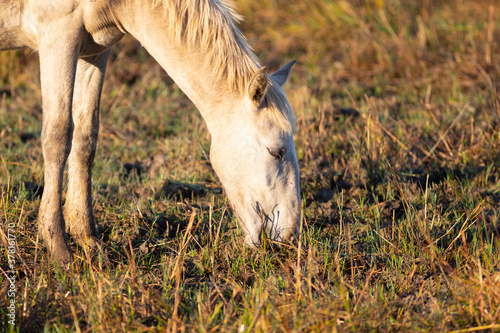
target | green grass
[{"x": 398, "y": 120}]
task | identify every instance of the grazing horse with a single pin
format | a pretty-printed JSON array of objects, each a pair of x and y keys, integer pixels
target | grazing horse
[{"x": 198, "y": 44}]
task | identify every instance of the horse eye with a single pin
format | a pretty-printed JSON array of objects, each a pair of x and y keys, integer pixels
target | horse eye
[{"x": 277, "y": 153}]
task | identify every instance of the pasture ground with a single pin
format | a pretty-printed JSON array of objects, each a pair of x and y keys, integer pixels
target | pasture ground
[{"x": 398, "y": 142}]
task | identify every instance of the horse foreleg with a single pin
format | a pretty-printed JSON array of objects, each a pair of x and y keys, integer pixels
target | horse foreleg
[
  {"x": 80, "y": 222},
  {"x": 58, "y": 56}
]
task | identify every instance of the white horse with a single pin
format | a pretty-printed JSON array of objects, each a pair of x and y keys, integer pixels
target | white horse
[{"x": 197, "y": 43}]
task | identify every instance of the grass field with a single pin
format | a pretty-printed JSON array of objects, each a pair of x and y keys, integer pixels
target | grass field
[{"x": 398, "y": 140}]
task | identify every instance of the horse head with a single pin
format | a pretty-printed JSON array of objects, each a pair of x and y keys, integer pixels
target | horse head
[{"x": 253, "y": 153}]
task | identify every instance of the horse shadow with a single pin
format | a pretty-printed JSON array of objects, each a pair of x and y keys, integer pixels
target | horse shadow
[{"x": 153, "y": 226}]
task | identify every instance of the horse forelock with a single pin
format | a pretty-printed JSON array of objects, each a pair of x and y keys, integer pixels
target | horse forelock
[
  {"x": 209, "y": 27},
  {"x": 279, "y": 111}
]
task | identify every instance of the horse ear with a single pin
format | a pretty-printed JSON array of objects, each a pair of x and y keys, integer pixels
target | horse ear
[
  {"x": 258, "y": 85},
  {"x": 281, "y": 76}
]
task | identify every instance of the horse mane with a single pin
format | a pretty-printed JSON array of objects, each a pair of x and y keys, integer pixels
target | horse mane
[{"x": 209, "y": 27}]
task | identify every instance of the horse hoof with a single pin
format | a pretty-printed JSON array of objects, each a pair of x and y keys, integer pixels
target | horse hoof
[
  {"x": 57, "y": 246},
  {"x": 62, "y": 255}
]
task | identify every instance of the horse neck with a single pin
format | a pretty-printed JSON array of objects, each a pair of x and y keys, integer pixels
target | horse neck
[{"x": 211, "y": 94}]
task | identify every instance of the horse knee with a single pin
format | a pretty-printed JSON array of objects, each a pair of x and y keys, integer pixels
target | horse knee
[{"x": 56, "y": 141}]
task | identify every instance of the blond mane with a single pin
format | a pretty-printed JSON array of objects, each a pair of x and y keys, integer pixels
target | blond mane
[{"x": 209, "y": 27}]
